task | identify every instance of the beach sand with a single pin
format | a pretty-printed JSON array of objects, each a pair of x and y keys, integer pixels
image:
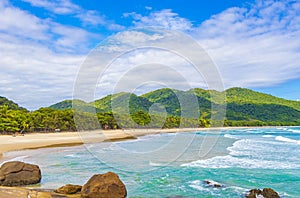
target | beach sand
[{"x": 59, "y": 139}]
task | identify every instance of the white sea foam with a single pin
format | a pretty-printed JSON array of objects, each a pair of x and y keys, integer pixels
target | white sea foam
[
  {"x": 230, "y": 161},
  {"x": 156, "y": 164},
  {"x": 19, "y": 158},
  {"x": 294, "y": 130},
  {"x": 72, "y": 156},
  {"x": 255, "y": 153},
  {"x": 268, "y": 136},
  {"x": 198, "y": 185},
  {"x": 285, "y": 139},
  {"x": 231, "y": 136}
]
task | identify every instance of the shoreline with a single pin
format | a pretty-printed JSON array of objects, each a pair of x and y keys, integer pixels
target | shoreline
[{"x": 68, "y": 139}]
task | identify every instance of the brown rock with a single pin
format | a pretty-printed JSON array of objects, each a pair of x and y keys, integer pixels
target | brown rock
[
  {"x": 12, "y": 167},
  {"x": 19, "y": 174},
  {"x": 270, "y": 193},
  {"x": 266, "y": 193},
  {"x": 69, "y": 189},
  {"x": 106, "y": 185},
  {"x": 253, "y": 193}
]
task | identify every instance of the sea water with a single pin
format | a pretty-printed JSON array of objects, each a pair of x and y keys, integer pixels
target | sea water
[{"x": 178, "y": 164}]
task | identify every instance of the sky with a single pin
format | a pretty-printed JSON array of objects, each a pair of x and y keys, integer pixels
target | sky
[{"x": 45, "y": 43}]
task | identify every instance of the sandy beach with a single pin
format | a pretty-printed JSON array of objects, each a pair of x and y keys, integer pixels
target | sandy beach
[{"x": 42, "y": 140}]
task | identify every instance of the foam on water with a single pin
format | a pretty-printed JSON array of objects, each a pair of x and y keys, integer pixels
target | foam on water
[
  {"x": 230, "y": 162},
  {"x": 294, "y": 130},
  {"x": 285, "y": 139},
  {"x": 253, "y": 151},
  {"x": 231, "y": 136},
  {"x": 268, "y": 136}
]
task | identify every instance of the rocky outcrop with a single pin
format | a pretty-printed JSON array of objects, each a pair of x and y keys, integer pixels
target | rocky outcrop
[
  {"x": 266, "y": 193},
  {"x": 19, "y": 174},
  {"x": 213, "y": 184},
  {"x": 69, "y": 189},
  {"x": 106, "y": 185}
]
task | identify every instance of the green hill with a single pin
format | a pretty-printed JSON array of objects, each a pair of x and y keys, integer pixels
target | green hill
[
  {"x": 162, "y": 108},
  {"x": 244, "y": 106},
  {"x": 73, "y": 104},
  {"x": 244, "y": 96},
  {"x": 10, "y": 104},
  {"x": 121, "y": 102}
]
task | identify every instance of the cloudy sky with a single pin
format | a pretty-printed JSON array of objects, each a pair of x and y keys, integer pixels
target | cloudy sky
[{"x": 44, "y": 43}]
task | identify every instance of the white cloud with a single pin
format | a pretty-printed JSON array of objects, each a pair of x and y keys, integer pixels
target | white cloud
[
  {"x": 164, "y": 18},
  {"x": 91, "y": 17},
  {"x": 20, "y": 23},
  {"x": 254, "y": 47},
  {"x": 39, "y": 58},
  {"x": 56, "y": 6}
]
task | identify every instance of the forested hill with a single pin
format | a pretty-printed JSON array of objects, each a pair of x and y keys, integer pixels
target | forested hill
[
  {"x": 244, "y": 106},
  {"x": 243, "y": 96},
  {"x": 10, "y": 104},
  {"x": 159, "y": 108}
]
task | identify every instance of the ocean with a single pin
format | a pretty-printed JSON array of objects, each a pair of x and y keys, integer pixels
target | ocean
[{"x": 178, "y": 164}]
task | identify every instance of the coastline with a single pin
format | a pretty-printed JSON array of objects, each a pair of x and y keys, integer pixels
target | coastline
[{"x": 67, "y": 139}]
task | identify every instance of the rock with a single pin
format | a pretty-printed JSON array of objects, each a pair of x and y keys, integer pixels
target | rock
[
  {"x": 69, "y": 189},
  {"x": 266, "y": 193},
  {"x": 270, "y": 193},
  {"x": 213, "y": 184},
  {"x": 106, "y": 185},
  {"x": 19, "y": 173}
]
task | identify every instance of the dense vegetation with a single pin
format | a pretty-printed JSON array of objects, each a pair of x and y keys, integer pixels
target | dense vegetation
[{"x": 163, "y": 108}]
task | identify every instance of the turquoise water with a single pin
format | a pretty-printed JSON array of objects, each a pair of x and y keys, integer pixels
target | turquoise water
[{"x": 169, "y": 165}]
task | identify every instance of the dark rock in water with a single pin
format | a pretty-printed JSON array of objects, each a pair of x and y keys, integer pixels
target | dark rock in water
[
  {"x": 104, "y": 185},
  {"x": 69, "y": 189},
  {"x": 270, "y": 193},
  {"x": 266, "y": 193},
  {"x": 213, "y": 184},
  {"x": 19, "y": 174}
]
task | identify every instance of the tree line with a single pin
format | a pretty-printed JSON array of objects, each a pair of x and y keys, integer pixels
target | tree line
[{"x": 51, "y": 120}]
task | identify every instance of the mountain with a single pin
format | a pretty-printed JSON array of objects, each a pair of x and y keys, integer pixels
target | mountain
[
  {"x": 243, "y": 106},
  {"x": 120, "y": 102},
  {"x": 10, "y": 104},
  {"x": 75, "y": 104},
  {"x": 244, "y": 96}
]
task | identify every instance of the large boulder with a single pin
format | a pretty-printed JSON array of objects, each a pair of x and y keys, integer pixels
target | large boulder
[
  {"x": 69, "y": 189},
  {"x": 266, "y": 193},
  {"x": 19, "y": 174},
  {"x": 106, "y": 185}
]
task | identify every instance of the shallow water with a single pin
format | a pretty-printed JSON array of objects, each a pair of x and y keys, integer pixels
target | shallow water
[{"x": 177, "y": 164}]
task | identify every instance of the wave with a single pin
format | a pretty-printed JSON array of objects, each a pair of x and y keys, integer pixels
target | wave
[
  {"x": 285, "y": 139},
  {"x": 231, "y": 136},
  {"x": 198, "y": 185},
  {"x": 294, "y": 130},
  {"x": 19, "y": 158},
  {"x": 229, "y": 161},
  {"x": 72, "y": 156},
  {"x": 156, "y": 164},
  {"x": 268, "y": 136}
]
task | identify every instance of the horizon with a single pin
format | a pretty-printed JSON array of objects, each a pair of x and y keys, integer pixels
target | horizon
[{"x": 45, "y": 44}]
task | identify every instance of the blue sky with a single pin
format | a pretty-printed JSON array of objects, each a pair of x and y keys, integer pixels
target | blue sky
[{"x": 255, "y": 44}]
